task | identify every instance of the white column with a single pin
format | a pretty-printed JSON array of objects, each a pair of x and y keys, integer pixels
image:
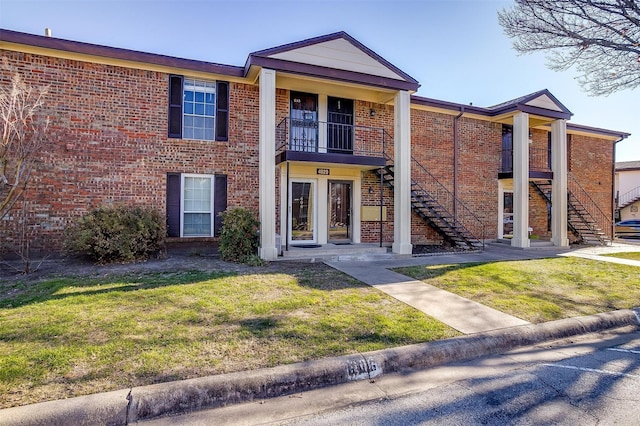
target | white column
[
  {"x": 284, "y": 205},
  {"x": 520, "y": 180},
  {"x": 322, "y": 118},
  {"x": 267, "y": 159},
  {"x": 559, "y": 185},
  {"x": 402, "y": 175}
]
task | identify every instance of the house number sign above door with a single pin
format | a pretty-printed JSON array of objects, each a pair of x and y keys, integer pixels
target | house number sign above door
[{"x": 324, "y": 172}]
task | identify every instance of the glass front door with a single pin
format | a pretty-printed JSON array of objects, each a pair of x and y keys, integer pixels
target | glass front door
[
  {"x": 340, "y": 125},
  {"x": 340, "y": 227},
  {"x": 304, "y": 122},
  {"x": 302, "y": 227},
  {"x": 507, "y": 215}
]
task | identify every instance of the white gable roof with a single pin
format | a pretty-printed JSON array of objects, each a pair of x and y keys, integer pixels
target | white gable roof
[
  {"x": 337, "y": 54},
  {"x": 544, "y": 101}
]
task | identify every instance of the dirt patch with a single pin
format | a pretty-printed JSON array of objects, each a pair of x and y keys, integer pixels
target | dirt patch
[
  {"x": 428, "y": 249},
  {"x": 175, "y": 260}
]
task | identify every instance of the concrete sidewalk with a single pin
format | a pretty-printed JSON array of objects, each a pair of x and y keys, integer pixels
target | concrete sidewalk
[{"x": 462, "y": 314}]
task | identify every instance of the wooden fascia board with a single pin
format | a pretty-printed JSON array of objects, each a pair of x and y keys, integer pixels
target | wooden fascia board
[{"x": 103, "y": 60}]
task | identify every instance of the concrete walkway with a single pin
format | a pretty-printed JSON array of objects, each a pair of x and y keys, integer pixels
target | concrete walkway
[{"x": 458, "y": 312}]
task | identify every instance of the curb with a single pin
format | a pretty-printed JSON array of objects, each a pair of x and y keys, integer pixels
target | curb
[{"x": 123, "y": 407}]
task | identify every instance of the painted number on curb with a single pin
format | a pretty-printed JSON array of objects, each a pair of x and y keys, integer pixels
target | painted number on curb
[{"x": 363, "y": 369}]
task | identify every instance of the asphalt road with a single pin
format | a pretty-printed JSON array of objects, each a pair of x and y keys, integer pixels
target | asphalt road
[
  {"x": 601, "y": 387},
  {"x": 594, "y": 379}
]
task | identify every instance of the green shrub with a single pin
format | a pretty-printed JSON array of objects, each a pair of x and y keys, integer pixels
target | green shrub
[
  {"x": 118, "y": 234},
  {"x": 239, "y": 238}
]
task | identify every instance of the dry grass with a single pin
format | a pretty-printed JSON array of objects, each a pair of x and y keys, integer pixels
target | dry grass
[
  {"x": 632, "y": 255},
  {"x": 70, "y": 336},
  {"x": 539, "y": 290}
]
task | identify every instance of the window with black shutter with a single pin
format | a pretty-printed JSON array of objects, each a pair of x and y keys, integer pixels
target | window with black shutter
[
  {"x": 219, "y": 202},
  {"x": 173, "y": 204},
  {"x": 222, "y": 111},
  {"x": 175, "y": 106},
  {"x": 198, "y": 109},
  {"x": 187, "y": 211}
]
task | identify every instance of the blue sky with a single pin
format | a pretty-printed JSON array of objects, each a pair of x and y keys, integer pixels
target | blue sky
[{"x": 454, "y": 48}]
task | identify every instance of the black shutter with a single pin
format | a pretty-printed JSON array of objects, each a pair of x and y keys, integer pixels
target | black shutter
[
  {"x": 222, "y": 111},
  {"x": 173, "y": 204},
  {"x": 219, "y": 202},
  {"x": 175, "y": 106}
]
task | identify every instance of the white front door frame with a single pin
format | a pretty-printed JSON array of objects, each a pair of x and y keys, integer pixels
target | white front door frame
[{"x": 313, "y": 212}]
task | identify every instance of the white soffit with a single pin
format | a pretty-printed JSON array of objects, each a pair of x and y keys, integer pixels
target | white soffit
[
  {"x": 338, "y": 54},
  {"x": 544, "y": 101}
]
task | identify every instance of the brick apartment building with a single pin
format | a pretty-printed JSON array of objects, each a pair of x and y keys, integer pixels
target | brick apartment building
[{"x": 322, "y": 138}]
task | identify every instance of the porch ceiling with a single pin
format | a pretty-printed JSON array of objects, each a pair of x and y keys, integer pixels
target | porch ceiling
[{"x": 335, "y": 88}]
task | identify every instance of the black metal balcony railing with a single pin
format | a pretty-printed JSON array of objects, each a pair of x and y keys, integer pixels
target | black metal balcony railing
[
  {"x": 539, "y": 160},
  {"x": 322, "y": 137}
]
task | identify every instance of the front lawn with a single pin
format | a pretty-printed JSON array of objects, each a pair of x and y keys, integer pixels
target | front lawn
[
  {"x": 70, "y": 336},
  {"x": 539, "y": 290},
  {"x": 631, "y": 255}
]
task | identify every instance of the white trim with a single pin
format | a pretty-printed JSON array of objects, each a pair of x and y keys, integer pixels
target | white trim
[
  {"x": 521, "y": 181},
  {"x": 559, "y": 189},
  {"x": 501, "y": 191},
  {"x": 322, "y": 118},
  {"x": 199, "y": 86},
  {"x": 267, "y": 164},
  {"x": 211, "y": 200},
  {"x": 314, "y": 213},
  {"x": 402, "y": 166}
]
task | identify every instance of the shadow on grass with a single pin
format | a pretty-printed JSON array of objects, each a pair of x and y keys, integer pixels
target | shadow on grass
[
  {"x": 24, "y": 293},
  {"x": 20, "y": 293}
]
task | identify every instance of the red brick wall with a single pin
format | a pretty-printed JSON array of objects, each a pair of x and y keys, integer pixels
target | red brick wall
[
  {"x": 591, "y": 166},
  {"x": 109, "y": 144},
  {"x": 478, "y": 160},
  {"x": 383, "y": 119},
  {"x": 538, "y": 219}
]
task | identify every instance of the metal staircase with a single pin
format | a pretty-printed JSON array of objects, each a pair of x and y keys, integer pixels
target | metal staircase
[
  {"x": 434, "y": 205},
  {"x": 584, "y": 217},
  {"x": 629, "y": 198}
]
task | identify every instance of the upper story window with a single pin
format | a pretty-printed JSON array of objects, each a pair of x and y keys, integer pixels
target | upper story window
[{"x": 198, "y": 109}]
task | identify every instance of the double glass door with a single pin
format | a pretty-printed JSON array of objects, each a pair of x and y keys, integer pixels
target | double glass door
[{"x": 303, "y": 212}]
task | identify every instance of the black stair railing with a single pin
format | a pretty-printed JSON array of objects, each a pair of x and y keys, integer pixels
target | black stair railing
[
  {"x": 459, "y": 216},
  {"x": 583, "y": 205},
  {"x": 544, "y": 189},
  {"x": 449, "y": 216},
  {"x": 629, "y": 197}
]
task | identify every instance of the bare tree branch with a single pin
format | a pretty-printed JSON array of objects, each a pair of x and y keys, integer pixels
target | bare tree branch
[
  {"x": 601, "y": 38},
  {"x": 23, "y": 131}
]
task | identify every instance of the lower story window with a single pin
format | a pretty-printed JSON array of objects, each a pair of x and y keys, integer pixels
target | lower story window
[
  {"x": 197, "y": 206},
  {"x": 194, "y": 204}
]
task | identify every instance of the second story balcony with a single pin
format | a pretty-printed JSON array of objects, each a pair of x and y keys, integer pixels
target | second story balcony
[
  {"x": 539, "y": 163},
  {"x": 330, "y": 142}
]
